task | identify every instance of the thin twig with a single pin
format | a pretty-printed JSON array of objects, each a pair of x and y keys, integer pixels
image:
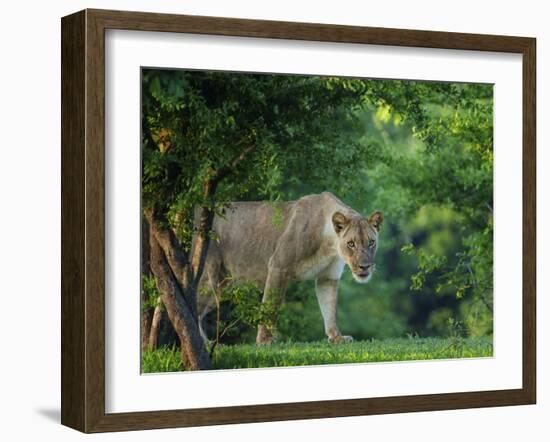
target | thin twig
[
  {"x": 485, "y": 302},
  {"x": 229, "y": 326},
  {"x": 222, "y": 172}
]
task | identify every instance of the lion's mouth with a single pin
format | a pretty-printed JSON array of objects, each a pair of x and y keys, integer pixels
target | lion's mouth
[
  {"x": 363, "y": 273},
  {"x": 362, "y": 276}
]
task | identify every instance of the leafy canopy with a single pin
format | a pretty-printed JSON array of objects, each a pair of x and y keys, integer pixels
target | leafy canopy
[
  {"x": 422, "y": 152},
  {"x": 196, "y": 122}
]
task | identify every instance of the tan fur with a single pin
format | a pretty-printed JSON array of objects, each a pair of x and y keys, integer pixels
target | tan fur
[{"x": 274, "y": 244}]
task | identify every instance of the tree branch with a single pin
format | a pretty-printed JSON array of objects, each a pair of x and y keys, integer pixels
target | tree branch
[
  {"x": 177, "y": 259},
  {"x": 222, "y": 172},
  {"x": 201, "y": 244},
  {"x": 206, "y": 218}
]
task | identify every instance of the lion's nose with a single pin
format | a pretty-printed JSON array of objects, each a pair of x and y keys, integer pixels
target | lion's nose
[{"x": 365, "y": 267}]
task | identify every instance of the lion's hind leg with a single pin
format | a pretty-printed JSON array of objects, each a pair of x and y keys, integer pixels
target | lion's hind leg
[{"x": 210, "y": 287}]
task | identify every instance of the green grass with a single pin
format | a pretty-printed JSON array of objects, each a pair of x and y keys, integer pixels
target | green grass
[{"x": 288, "y": 354}]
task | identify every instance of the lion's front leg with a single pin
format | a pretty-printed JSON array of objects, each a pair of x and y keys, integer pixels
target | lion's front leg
[
  {"x": 327, "y": 295},
  {"x": 274, "y": 291}
]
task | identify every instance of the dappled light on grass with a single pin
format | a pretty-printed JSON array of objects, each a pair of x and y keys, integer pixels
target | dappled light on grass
[{"x": 289, "y": 354}]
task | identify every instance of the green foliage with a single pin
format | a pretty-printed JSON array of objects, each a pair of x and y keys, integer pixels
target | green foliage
[
  {"x": 300, "y": 318},
  {"x": 433, "y": 179},
  {"x": 427, "y": 263},
  {"x": 161, "y": 360},
  {"x": 248, "y": 308},
  {"x": 290, "y": 354},
  {"x": 149, "y": 288}
]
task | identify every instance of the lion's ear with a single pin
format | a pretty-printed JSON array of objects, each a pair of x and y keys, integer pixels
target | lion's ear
[
  {"x": 339, "y": 221},
  {"x": 376, "y": 220}
]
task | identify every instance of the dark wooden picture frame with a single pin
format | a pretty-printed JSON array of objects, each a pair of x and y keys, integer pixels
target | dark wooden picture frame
[{"x": 83, "y": 220}]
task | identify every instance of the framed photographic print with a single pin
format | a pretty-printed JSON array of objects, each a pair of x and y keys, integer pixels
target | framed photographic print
[{"x": 268, "y": 220}]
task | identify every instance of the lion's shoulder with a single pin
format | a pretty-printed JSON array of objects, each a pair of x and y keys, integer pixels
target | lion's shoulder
[{"x": 320, "y": 205}]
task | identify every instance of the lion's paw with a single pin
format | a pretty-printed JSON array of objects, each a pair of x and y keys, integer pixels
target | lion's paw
[
  {"x": 340, "y": 339},
  {"x": 266, "y": 341}
]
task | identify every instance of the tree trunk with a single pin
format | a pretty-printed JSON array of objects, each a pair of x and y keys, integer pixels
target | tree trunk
[
  {"x": 176, "y": 259},
  {"x": 145, "y": 330},
  {"x": 155, "y": 325},
  {"x": 180, "y": 308},
  {"x": 146, "y": 312},
  {"x": 200, "y": 247},
  {"x": 177, "y": 277}
]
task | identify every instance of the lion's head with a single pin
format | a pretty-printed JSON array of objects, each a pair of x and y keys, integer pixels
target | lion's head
[{"x": 357, "y": 242}]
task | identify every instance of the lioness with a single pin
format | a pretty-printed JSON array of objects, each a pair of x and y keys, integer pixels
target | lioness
[{"x": 308, "y": 239}]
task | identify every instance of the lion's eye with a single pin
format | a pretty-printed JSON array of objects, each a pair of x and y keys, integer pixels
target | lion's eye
[
  {"x": 371, "y": 243},
  {"x": 351, "y": 244}
]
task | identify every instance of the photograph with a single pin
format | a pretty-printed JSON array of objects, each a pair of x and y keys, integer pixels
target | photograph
[{"x": 301, "y": 220}]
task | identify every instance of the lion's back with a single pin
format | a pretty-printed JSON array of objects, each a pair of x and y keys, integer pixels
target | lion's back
[{"x": 247, "y": 236}]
